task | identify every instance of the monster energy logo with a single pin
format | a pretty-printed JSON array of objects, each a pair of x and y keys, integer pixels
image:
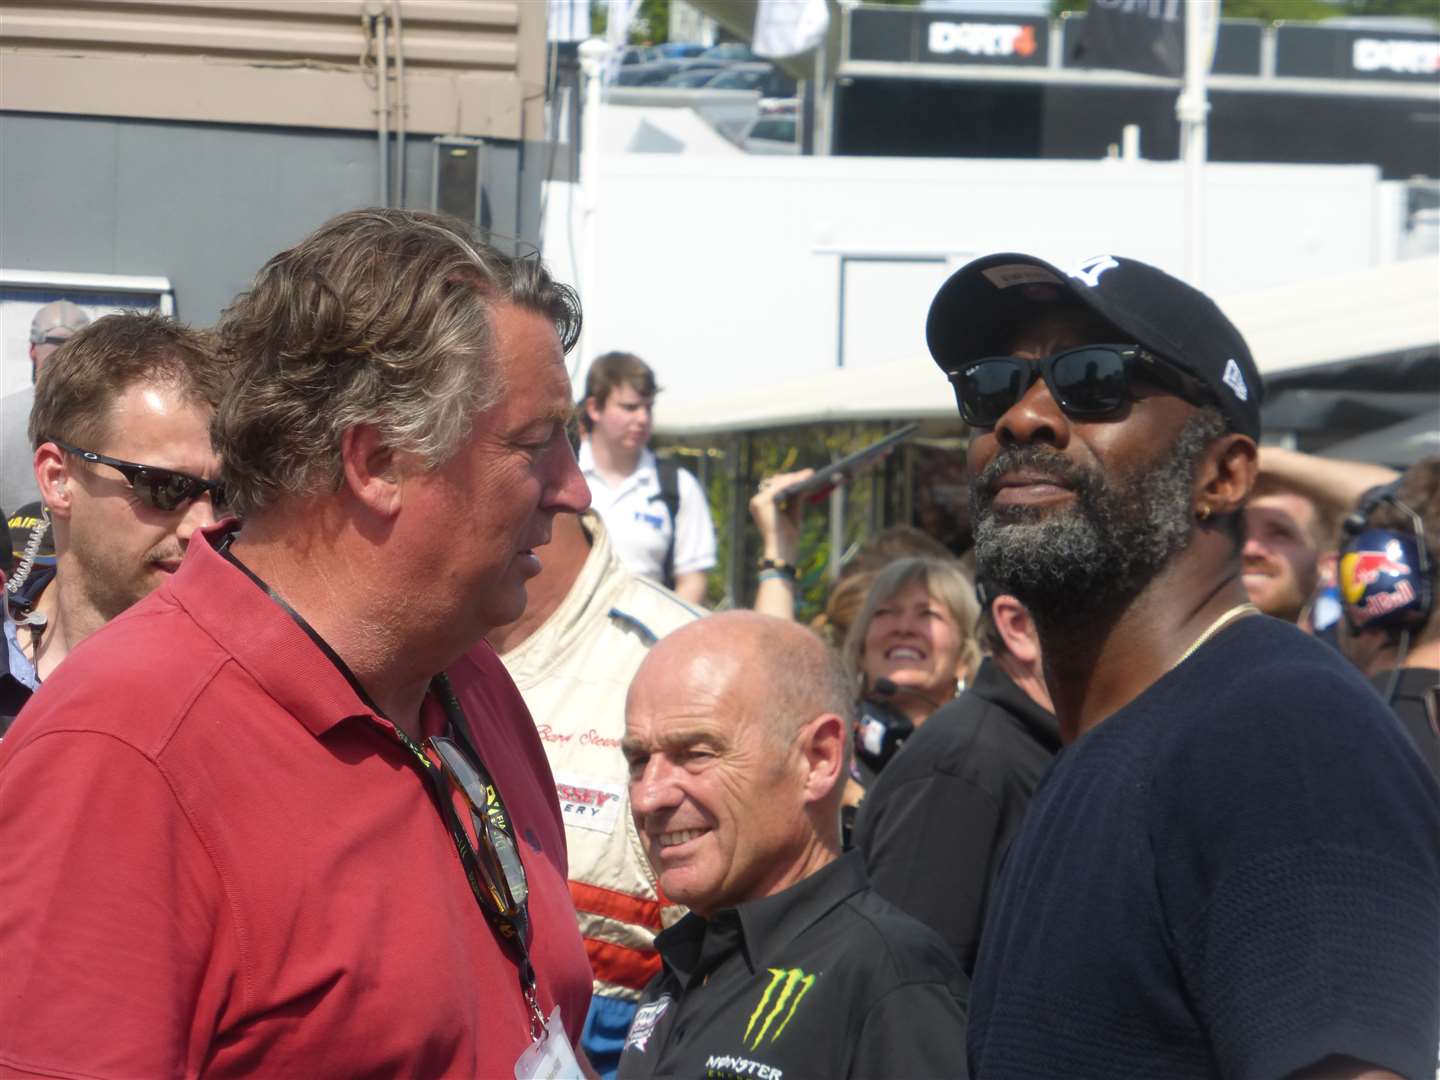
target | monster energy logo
[{"x": 789, "y": 981}]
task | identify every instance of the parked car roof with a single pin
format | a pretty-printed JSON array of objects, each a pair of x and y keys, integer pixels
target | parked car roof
[
  {"x": 692, "y": 78},
  {"x": 652, "y": 74},
  {"x": 640, "y": 54},
  {"x": 771, "y": 82},
  {"x": 731, "y": 50},
  {"x": 681, "y": 50}
]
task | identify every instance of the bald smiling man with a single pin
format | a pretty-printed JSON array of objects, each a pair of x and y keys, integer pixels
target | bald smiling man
[{"x": 788, "y": 963}]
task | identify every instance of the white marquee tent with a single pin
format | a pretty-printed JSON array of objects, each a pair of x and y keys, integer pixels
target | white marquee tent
[{"x": 1375, "y": 313}]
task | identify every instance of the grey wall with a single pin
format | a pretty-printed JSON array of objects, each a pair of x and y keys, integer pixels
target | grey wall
[{"x": 206, "y": 205}]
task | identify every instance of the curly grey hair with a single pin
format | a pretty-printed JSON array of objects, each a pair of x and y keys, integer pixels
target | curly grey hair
[{"x": 379, "y": 317}]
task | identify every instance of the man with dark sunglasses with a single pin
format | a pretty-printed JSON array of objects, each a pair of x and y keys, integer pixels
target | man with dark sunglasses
[
  {"x": 1231, "y": 870},
  {"x": 289, "y": 816},
  {"x": 120, "y": 437}
]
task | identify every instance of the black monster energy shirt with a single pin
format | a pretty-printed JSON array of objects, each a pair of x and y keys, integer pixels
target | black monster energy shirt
[{"x": 823, "y": 980}]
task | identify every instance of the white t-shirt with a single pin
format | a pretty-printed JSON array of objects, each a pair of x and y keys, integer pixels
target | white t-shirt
[{"x": 639, "y": 522}]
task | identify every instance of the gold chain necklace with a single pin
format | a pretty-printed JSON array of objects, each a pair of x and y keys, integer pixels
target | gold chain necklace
[{"x": 1239, "y": 611}]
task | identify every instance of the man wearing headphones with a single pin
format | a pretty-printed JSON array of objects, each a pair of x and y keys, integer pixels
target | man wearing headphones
[
  {"x": 1390, "y": 629},
  {"x": 1292, "y": 521}
]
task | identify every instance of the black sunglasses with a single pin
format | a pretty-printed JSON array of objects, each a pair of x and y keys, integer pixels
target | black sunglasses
[
  {"x": 162, "y": 489},
  {"x": 1088, "y": 383}
]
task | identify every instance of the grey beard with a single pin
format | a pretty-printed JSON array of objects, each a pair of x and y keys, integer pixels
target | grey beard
[{"x": 1108, "y": 545}]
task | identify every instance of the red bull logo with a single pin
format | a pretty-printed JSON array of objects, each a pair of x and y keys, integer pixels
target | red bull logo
[
  {"x": 1384, "y": 603},
  {"x": 1361, "y": 569},
  {"x": 1376, "y": 583}
]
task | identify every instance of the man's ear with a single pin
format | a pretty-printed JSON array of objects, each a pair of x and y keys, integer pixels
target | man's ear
[
  {"x": 371, "y": 469},
  {"x": 1016, "y": 628},
  {"x": 1227, "y": 475},
  {"x": 592, "y": 408},
  {"x": 822, "y": 743},
  {"x": 52, "y": 477}
]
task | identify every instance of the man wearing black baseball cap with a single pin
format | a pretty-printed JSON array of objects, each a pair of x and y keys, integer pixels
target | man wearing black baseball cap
[{"x": 1231, "y": 870}]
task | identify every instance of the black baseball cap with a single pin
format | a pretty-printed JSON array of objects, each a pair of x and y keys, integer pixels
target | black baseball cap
[{"x": 979, "y": 310}]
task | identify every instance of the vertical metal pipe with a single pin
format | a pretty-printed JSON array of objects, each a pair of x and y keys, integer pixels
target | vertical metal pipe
[
  {"x": 381, "y": 27},
  {"x": 594, "y": 55},
  {"x": 877, "y": 503},
  {"x": 739, "y": 501},
  {"x": 824, "y": 98},
  {"x": 1202, "y": 20},
  {"x": 399, "y": 104},
  {"x": 837, "y": 524}
]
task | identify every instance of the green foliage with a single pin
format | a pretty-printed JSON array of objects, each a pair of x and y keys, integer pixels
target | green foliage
[
  {"x": 1275, "y": 10},
  {"x": 783, "y": 451},
  {"x": 651, "y": 24},
  {"x": 1429, "y": 9}
]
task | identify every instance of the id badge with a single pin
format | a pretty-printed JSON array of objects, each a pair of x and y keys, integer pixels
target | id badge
[{"x": 550, "y": 1058}]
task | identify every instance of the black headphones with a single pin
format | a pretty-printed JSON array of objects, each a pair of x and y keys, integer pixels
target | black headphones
[{"x": 1386, "y": 580}]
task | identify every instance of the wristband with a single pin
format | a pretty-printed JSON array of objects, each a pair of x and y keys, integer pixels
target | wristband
[
  {"x": 779, "y": 566},
  {"x": 777, "y": 575}
]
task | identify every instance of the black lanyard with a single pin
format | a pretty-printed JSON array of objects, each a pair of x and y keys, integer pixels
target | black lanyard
[{"x": 510, "y": 929}]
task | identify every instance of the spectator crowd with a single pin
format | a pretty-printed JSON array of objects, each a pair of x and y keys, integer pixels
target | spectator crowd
[{"x": 361, "y": 713}]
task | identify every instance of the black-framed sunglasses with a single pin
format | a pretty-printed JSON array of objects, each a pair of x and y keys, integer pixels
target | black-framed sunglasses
[
  {"x": 163, "y": 489},
  {"x": 489, "y": 838},
  {"x": 1088, "y": 383}
]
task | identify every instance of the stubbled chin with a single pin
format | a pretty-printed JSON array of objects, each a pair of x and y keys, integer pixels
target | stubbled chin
[{"x": 1257, "y": 584}]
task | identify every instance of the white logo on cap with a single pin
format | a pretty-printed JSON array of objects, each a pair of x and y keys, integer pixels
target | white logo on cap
[
  {"x": 1234, "y": 380},
  {"x": 1090, "y": 270}
]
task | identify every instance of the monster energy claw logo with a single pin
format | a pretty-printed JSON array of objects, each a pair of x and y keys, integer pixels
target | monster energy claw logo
[{"x": 794, "y": 984}]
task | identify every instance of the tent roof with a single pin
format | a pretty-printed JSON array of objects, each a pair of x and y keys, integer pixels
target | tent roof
[
  {"x": 902, "y": 389},
  {"x": 1377, "y": 312},
  {"x": 1374, "y": 312},
  {"x": 1399, "y": 446}
]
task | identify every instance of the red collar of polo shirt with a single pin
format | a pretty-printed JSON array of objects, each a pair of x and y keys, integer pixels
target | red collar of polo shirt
[{"x": 264, "y": 640}]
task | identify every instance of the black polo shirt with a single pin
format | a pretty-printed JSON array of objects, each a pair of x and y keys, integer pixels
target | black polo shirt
[{"x": 823, "y": 980}]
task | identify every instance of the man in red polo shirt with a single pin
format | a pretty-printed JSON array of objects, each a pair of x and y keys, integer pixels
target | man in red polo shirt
[{"x": 289, "y": 816}]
